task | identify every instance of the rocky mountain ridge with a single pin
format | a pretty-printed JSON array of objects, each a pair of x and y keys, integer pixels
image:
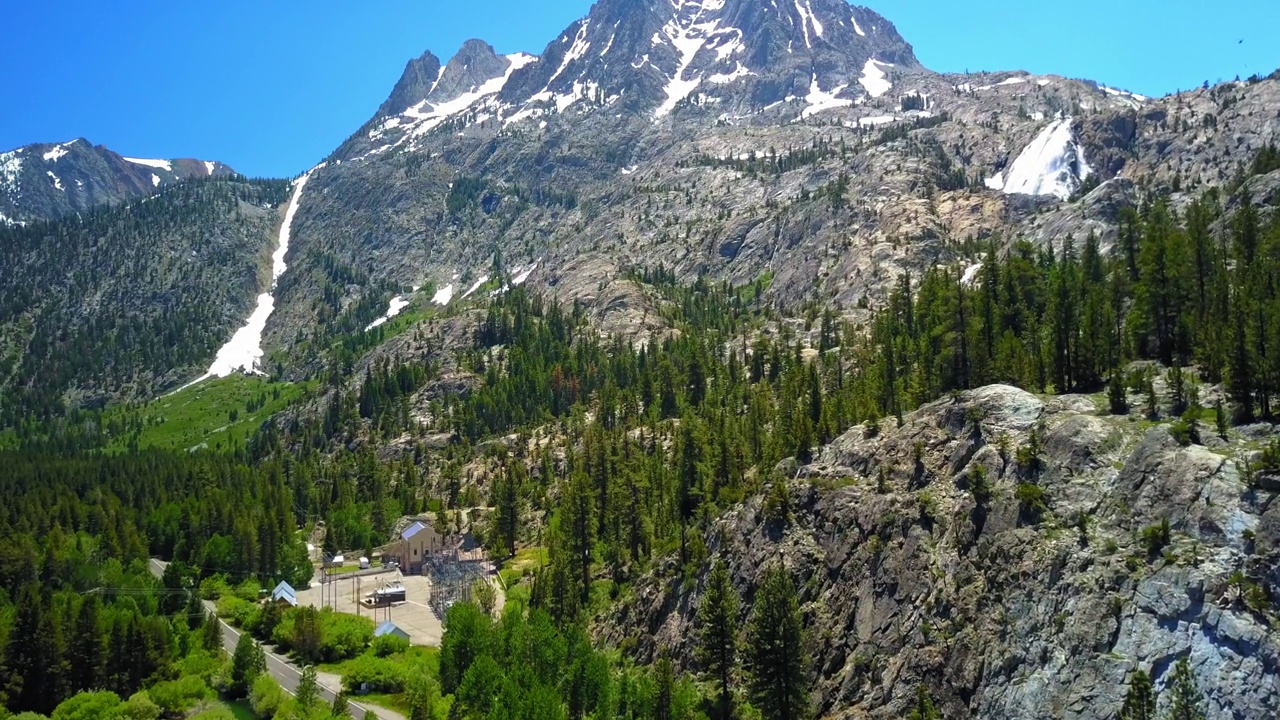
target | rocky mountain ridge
[
  {"x": 45, "y": 181},
  {"x": 1015, "y": 606},
  {"x": 832, "y": 187}
]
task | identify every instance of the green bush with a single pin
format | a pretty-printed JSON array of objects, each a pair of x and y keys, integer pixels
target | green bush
[
  {"x": 237, "y": 611},
  {"x": 389, "y": 645},
  {"x": 368, "y": 673},
  {"x": 266, "y": 696},
  {"x": 177, "y": 697},
  {"x": 88, "y": 706},
  {"x": 1155, "y": 538},
  {"x": 140, "y": 706},
  {"x": 1031, "y": 502}
]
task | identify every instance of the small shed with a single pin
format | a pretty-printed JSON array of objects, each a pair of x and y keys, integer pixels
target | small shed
[
  {"x": 390, "y": 628},
  {"x": 284, "y": 593}
]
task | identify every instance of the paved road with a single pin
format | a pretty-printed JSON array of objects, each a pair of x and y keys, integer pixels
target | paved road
[{"x": 279, "y": 666}]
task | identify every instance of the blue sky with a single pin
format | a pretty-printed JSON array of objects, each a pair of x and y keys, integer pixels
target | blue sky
[{"x": 272, "y": 87}]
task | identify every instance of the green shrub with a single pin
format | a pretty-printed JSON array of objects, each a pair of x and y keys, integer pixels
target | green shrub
[
  {"x": 266, "y": 696},
  {"x": 1155, "y": 538},
  {"x": 177, "y": 697},
  {"x": 88, "y": 706},
  {"x": 239, "y": 612},
  {"x": 1031, "y": 502},
  {"x": 368, "y": 673},
  {"x": 389, "y": 645},
  {"x": 140, "y": 706}
]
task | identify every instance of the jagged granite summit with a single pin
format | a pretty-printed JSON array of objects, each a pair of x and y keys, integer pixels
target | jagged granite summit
[
  {"x": 48, "y": 180},
  {"x": 732, "y": 138}
]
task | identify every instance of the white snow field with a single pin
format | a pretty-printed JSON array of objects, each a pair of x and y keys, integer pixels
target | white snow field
[
  {"x": 159, "y": 164},
  {"x": 874, "y": 79},
  {"x": 243, "y": 352},
  {"x": 398, "y": 303},
  {"x": 1053, "y": 164}
]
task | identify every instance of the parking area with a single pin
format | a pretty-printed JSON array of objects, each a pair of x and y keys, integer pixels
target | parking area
[{"x": 414, "y": 616}]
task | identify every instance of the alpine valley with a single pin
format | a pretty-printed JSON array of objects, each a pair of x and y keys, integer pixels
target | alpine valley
[{"x": 777, "y": 374}]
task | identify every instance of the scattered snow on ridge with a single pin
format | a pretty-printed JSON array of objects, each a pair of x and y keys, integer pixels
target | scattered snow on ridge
[
  {"x": 726, "y": 78},
  {"x": 807, "y": 18},
  {"x": 443, "y": 295},
  {"x": 10, "y": 167},
  {"x": 819, "y": 100},
  {"x": 398, "y": 303},
  {"x": 57, "y": 181},
  {"x": 160, "y": 164},
  {"x": 483, "y": 279},
  {"x": 519, "y": 279},
  {"x": 243, "y": 352},
  {"x": 874, "y": 79},
  {"x": 688, "y": 41},
  {"x": 423, "y": 120},
  {"x": 59, "y": 151},
  {"x": 208, "y": 166},
  {"x": 579, "y": 48},
  {"x": 1052, "y": 164},
  {"x": 856, "y": 27}
]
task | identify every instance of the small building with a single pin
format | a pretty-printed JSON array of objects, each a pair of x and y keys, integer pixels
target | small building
[
  {"x": 390, "y": 628},
  {"x": 417, "y": 542},
  {"x": 284, "y": 594},
  {"x": 388, "y": 595}
]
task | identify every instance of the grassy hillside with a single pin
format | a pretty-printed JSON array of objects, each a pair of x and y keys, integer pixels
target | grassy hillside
[{"x": 217, "y": 413}]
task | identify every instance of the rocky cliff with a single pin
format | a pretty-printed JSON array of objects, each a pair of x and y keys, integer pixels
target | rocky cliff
[{"x": 992, "y": 547}]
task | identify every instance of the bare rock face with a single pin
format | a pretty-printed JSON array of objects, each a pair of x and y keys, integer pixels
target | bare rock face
[{"x": 1008, "y": 611}]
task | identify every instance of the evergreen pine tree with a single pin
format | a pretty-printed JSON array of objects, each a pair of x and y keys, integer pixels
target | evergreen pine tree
[
  {"x": 88, "y": 647},
  {"x": 247, "y": 663},
  {"x": 1140, "y": 701},
  {"x": 776, "y": 660},
  {"x": 1185, "y": 702},
  {"x": 718, "y": 635}
]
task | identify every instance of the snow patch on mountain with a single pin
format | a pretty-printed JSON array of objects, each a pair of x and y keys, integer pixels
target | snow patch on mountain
[
  {"x": 857, "y": 28},
  {"x": 394, "y": 308},
  {"x": 426, "y": 116},
  {"x": 1053, "y": 164},
  {"x": 726, "y": 78},
  {"x": 443, "y": 295},
  {"x": 158, "y": 164},
  {"x": 579, "y": 48},
  {"x": 208, "y": 166},
  {"x": 57, "y": 181},
  {"x": 524, "y": 275},
  {"x": 819, "y": 101},
  {"x": 874, "y": 79},
  {"x": 807, "y": 20},
  {"x": 10, "y": 168},
  {"x": 155, "y": 180},
  {"x": 483, "y": 279},
  {"x": 689, "y": 41},
  {"x": 243, "y": 352},
  {"x": 59, "y": 151}
]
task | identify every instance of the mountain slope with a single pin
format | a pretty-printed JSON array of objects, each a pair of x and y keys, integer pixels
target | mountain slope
[
  {"x": 46, "y": 181},
  {"x": 120, "y": 302}
]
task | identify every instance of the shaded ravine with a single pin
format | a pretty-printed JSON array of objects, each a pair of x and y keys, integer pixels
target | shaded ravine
[{"x": 243, "y": 352}]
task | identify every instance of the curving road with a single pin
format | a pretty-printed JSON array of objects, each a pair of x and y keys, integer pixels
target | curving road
[{"x": 285, "y": 672}]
